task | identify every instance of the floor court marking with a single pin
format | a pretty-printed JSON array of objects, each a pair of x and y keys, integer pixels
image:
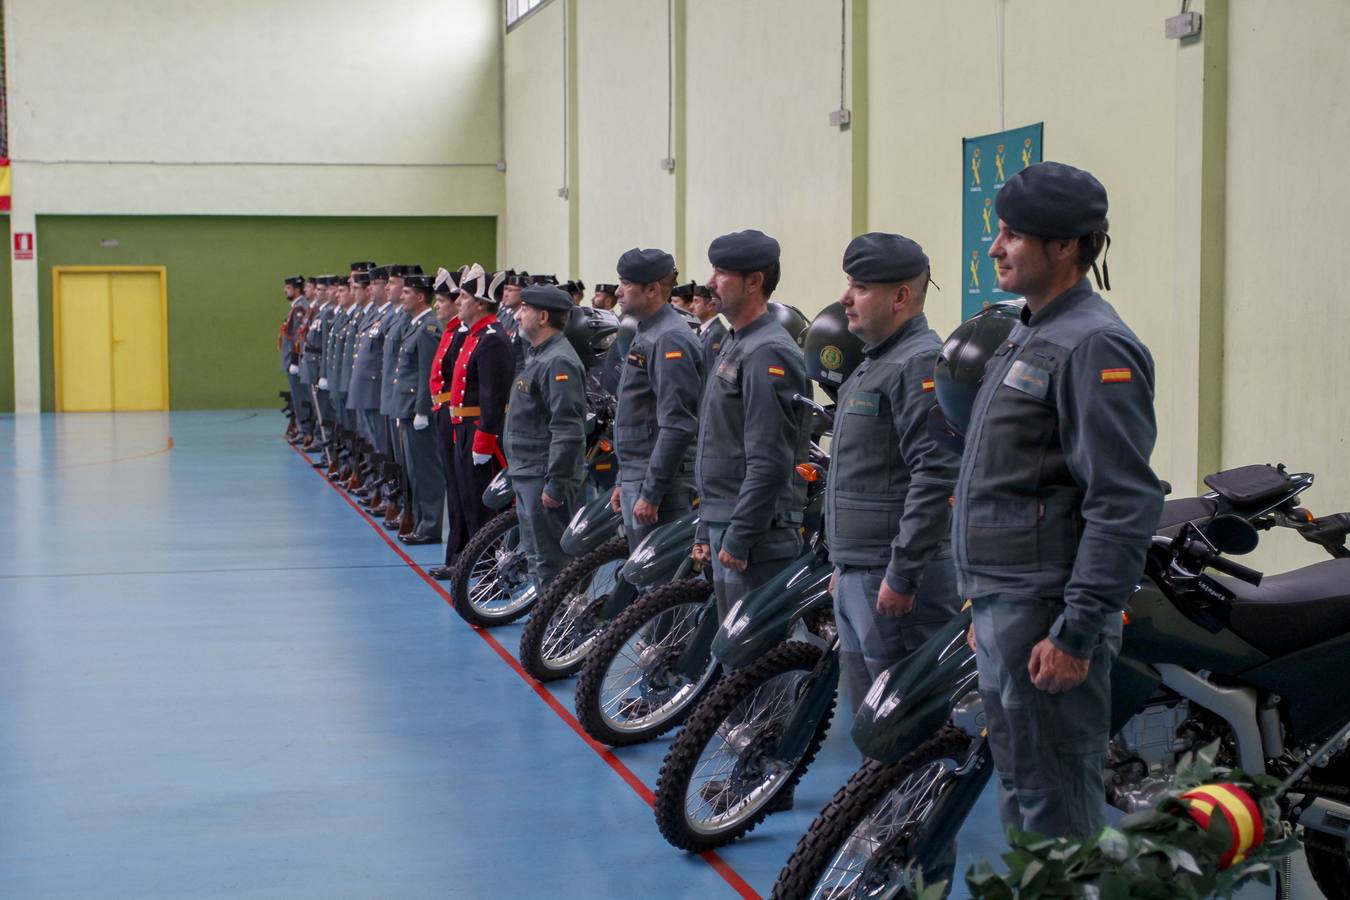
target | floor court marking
[
  {"x": 97, "y": 462},
  {"x": 719, "y": 865}
]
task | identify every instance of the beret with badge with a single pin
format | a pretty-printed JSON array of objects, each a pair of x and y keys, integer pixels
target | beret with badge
[
  {"x": 546, "y": 296},
  {"x": 743, "y": 251},
  {"x": 645, "y": 266},
  {"x": 881, "y": 258},
  {"x": 1055, "y": 201}
]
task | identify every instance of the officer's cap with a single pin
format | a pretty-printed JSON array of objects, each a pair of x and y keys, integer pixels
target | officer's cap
[
  {"x": 683, "y": 290},
  {"x": 361, "y": 277},
  {"x": 403, "y": 270},
  {"x": 419, "y": 281},
  {"x": 546, "y": 296},
  {"x": 645, "y": 266},
  {"x": 743, "y": 251},
  {"x": 379, "y": 273},
  {"x": 603, "y": 288},
  {"x": 519, "y": 279},
  {"x": 880, "y": 258},
  {"x": 1053, "y": 201},
  {"x": 362, "y": 266},
  {"x": 701, "y": 290},
  {"x": 296, "y": 281}
]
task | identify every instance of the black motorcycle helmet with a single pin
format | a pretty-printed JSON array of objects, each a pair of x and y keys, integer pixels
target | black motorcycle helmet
[
  {"x": 623, "y": 338},
  {"x": 832, "y": 351},
  {"x": 960, "y": 365},
  {"x": 791, "y": 318},
  {"x": 590, "y": 331}
]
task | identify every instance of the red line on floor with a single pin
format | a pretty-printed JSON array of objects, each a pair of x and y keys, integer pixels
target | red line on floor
[{"x": 719, "y": 865}]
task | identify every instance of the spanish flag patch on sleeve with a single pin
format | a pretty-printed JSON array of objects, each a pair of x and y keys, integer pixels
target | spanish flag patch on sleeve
[
  {"x": 777, "y": 371},
  {"x": 928, "y": 386},
  {"x": 561, "y": 377},
  {"x": 674, "y": 354},
  {"x": 1117, "y": 376}
]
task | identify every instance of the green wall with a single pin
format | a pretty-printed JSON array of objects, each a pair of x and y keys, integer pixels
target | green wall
[
  {"x": 224, "y": 284},
  {"x": 6, "y": 329}
]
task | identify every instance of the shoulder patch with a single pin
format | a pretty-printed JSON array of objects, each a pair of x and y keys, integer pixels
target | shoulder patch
[
  {"x": 777, "y": 371},
  {"x": 929, "y": 385},
  {"x": 674, "y": 354},
  {"x": 1117, "y": 376},
  {"x": 561, "y": 376}
]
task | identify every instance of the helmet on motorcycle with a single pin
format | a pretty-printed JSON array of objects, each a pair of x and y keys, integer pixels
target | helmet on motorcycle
[
  {"x": 623, "y": 338},
  {"x": 832, "y": 351},
  {"x": 960, "y": 365},
  {"x": 791, "y": 318},
  {"x": 590, "y": 331}
]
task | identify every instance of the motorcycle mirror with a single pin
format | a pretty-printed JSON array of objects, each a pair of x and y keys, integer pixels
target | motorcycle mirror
[{"x": 1232, "y": 534}]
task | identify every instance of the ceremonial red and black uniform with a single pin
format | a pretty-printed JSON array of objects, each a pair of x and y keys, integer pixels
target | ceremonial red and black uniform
[{"x": 478, "y": 366}]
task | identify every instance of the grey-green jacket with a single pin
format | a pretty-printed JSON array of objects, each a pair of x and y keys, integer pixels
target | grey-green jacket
[{"x": 546, "y": 420}]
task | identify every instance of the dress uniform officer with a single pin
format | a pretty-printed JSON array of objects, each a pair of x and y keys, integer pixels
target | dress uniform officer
[
  {"x": 887, "y": 512},
  {"x": 476, "y": 376},
  {"x": 546, "y": 430},
  {"x": 506, "y": 315},
  {"x": 396, "y": 500},
  {"x": 312, "y": 357},
  {"x": 363, "y": 311},
  {"x": 363, "y": 397},
  {"x": 751, "y": 432},
  {"x": 334, "y": 346},
  {"x": 446, "y": 308},
  {"x": 1055, "y": 504},
  {"x": 606, "y": 296},
  {"x": 656, "y": 417},
  {"x": 412, "y": 407},
  {"x": 711, "y": 329},
  {"x": 289, "y": 346}
]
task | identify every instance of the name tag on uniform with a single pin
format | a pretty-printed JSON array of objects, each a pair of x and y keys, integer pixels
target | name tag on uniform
[
  {"x": 864, "y": 403},
  {"x": 637, "y": 360},
  {"x": 1028, "y": 379}
]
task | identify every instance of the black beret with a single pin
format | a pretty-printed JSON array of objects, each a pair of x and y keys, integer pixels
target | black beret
[
  {"x": 1052, "y": 200},
  {"x": 882, "y": 258},
  {"x": 603, "y": 288},
  {"x": 362, "y": 266},
  {"x": 296, "y": 280},
  {"x": 743, "y": 251},
  {"x": 361, "y": 277},
  {"x": 546, "y": 296},
  {"x": 645, "y": 266},
  {"x": 421, "y": 282},
  {"x": 683, "y": 290}
]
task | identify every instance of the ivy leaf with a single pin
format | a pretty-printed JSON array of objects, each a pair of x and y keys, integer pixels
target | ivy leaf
[
  {"x": 1114, "y": 845},
  {"x": 1181, "y": 859}
]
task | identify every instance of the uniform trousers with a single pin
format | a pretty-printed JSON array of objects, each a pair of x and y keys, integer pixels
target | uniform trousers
[
  {"x": 541, "y": 529},
  {"x": 464, "y": 487},
  {"x": 376, "y": 432},
  {"x": 871, "y": 642},
  {"x": 729, "y": 585},
  {"x": 301, "y": 404},
  {"x": 426, "y": 479},
  {"x": 1049, "y": 749},
  {"x": 677, "y": 501}
]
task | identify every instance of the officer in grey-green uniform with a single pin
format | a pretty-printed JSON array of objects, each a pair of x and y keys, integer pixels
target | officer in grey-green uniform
[
  {"x": 289, "y": 344},
  {"x": 751, "y": 432},
  {"x": 335, "y": 345},
  {"x": 412, "y": 407},
  {"x": 1055, "y": 504},
  {"x": 656, "y": 417},
  {"x": 394, "y": 324},
  {"x": 545, "y": 430},
  {"x": 887, "y": 510}
]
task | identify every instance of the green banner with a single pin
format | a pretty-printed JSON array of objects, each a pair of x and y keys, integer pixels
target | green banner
[{"x": 987, "y": 162}]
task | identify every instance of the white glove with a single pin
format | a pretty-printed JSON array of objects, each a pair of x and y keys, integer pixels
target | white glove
[
  {"x": 323, "y": 384},
  {"x": 481, "y": 459},
  {"x": 420, "y": 422},
  {"x": 294, "y": 369}
]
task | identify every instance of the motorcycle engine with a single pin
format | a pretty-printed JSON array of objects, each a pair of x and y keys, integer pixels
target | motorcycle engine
[{"x": 1143, "y": 756}]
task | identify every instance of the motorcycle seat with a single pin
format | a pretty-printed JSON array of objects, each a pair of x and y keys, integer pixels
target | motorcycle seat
[
  {"x": 1176, "y": 513},
  {"x": 1294, "y": 610}
]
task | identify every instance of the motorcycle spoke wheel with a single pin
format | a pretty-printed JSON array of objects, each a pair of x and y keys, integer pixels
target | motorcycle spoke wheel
[
  {"x": 490, "y": 580},
  {"x": 566, "y": 621}
]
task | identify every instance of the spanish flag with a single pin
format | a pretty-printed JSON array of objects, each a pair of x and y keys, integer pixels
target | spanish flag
[{"x": 4, "y": 184}]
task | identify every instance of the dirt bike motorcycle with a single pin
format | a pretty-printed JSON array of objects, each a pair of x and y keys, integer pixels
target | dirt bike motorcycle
[{"x": 1253, "y": 662}]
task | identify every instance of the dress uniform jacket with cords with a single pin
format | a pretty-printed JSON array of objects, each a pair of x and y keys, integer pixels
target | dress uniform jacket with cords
[{"x": 411, "y": 398}]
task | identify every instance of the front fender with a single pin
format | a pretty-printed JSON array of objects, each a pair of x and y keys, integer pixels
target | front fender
[
  {"x": 762, "y": 617},
  {"x": 661, "y": 553},
  {"x": 592, "y": 525},
  {"x": 500, "y": 492}
]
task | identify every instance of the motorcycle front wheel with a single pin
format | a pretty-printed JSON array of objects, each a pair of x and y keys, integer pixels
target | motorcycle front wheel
[
  {"x": 858, "y": 846},
  {"x": 566, "y": 622},
  {"x": 490, "y": 581}
]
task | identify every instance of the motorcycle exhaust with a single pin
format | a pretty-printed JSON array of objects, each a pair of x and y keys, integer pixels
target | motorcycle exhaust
[{"x": 1328, "y": 817}]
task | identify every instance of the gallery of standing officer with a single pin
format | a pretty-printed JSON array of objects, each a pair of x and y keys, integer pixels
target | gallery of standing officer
[
  {"x": 656, "y": 418},
  {"x": 475, "y": 374},
  {"x": 1055, "y": 504},
  {"x": 751, "y": 432},
  {"x": 546, "y": 430},
  {"x": 887, "y": 513},
  {"x": 412, "y": 407}
]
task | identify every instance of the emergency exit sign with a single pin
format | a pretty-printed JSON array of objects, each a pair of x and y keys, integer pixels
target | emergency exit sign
[{"x": 23, "y": 245}]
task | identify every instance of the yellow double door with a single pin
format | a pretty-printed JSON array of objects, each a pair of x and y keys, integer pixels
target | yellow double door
[{"x": 111, "y": 338}]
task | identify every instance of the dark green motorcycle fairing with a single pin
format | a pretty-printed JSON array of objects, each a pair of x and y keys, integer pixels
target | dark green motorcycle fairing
[
  {"x": 1159, "y": 632},
  {"x": 762, "y": 617},
  {"x": 499, "y": 492},
  {"x": 661, "y": 552},
  {"x": 1315, "y": 705},
  {"x": 594, "y": 523},
  {"x": 913, "y": 698}
]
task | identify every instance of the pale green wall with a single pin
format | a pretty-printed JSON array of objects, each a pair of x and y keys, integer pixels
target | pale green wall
[
  {"x": 1286, "y": 369},
  {"x": 249, "y": 108}
]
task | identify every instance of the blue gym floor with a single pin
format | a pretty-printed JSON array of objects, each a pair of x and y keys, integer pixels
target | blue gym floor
[{"x": 218, "y": 679}]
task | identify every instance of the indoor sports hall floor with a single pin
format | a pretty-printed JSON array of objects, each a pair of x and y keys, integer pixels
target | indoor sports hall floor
[{"x": 218, "y": 679}]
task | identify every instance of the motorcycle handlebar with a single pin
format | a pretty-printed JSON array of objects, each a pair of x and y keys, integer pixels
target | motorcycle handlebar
[{"x": 1237, "y": 570}]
